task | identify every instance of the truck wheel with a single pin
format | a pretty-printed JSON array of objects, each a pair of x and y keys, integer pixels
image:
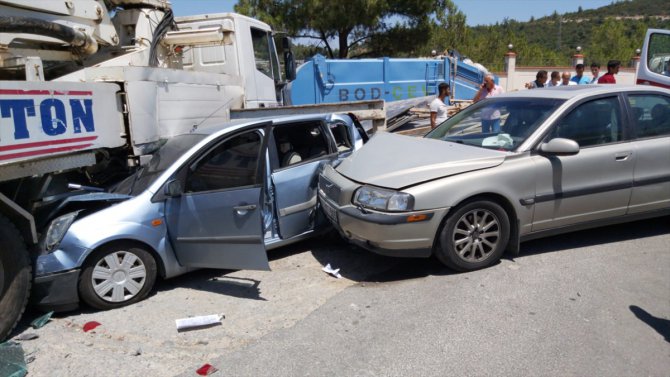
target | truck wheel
[
  {"x": 117, "y": 275},
  {"x": 474, "y": 236},
  {"x": 15, "y": 276}
]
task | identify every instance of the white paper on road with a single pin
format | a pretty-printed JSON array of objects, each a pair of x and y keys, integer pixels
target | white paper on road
[
  {"x": 330, "y": 270},
  {"x": 199, "y": 321}
]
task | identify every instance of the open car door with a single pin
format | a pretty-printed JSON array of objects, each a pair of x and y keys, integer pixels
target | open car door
[{"x": 215, "y": 222}]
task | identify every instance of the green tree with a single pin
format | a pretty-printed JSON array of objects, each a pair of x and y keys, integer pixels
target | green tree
[
  {"x": 364, "y": 27},
  {"x": 615, "y": 39}
]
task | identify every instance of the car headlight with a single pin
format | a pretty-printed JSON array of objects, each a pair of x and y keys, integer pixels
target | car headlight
[
  {"x": 385, "y": 200},
  {"x": 57, "y": 229}
]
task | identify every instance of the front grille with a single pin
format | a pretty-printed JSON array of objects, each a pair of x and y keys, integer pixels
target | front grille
[{"x": 329, "y": 188}]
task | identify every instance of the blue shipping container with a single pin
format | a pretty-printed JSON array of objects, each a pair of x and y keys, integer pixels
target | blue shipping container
[{"x": 322, "y": 80}]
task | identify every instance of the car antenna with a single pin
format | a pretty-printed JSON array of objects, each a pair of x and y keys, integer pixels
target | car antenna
[{"x": 195, "y": 126}]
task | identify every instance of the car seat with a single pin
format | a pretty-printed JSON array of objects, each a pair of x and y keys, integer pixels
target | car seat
[{"x": 289, "y": 155}]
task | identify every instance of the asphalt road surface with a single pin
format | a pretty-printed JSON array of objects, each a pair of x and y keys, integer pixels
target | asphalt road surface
[{"x": 591, "y": 303}]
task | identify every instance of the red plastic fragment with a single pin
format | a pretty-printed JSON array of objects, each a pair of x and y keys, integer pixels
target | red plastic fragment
[
  {"x": 206, "y": 370},
  {"x": 88, "y": 326}
]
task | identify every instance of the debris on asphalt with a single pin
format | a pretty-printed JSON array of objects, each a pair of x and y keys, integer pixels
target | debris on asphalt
[
  {"x": 206, "y": 370},
  {"x": 88, "y": 326},
  {"x": 27, "y": 336},
  {"x": 12, "y": 360},
  {"x": 198, "y": 322},
  {"x": 334, "y": 272},
  {"x": 41, "y": 321},
  {"x": 135, "y": 352}
]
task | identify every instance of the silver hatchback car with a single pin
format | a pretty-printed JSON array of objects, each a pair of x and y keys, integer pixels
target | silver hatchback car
[
  {"x": 507, "y": 169},
  {"x": 214, "y": 198}
]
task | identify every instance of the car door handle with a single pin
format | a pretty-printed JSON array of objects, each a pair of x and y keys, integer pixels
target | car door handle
[
  {"x": 622, "y": 156},
  {"x": 242, "y": 210}
]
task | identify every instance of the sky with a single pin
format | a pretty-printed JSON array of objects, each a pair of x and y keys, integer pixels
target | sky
[{"x": 477, "y": 12}]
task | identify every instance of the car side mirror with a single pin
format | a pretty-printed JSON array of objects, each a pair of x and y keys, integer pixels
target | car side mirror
[
  {"x": 173, "y": 188},
  {"x": 560, "y": 147}
]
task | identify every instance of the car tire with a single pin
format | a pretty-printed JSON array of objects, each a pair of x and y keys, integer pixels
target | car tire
[
  {"x": 117, "y": 275},
  {"x": 474, "y": 236},
  {"x": 15, "y": 276}
]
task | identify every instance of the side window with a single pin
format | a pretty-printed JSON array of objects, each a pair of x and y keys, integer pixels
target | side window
[
  {"x": 341, "y": 136},
  {"x": 231, "y": 164},
  {"x": 593, "y": 123},
  {"x": 651, "y": 113},
  {"x": 300, "y": 142},
  {"x": 262, "y": 51},
  {"x": 658, "y": 57}
]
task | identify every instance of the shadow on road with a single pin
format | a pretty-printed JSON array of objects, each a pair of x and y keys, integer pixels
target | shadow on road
[
  {"x": 661, "y": 325},
  {"x": 214, "y": 281},
  {"x": 361, "y": 265}
]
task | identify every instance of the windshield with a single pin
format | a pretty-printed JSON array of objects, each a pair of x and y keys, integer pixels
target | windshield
[
  {"x": 496, "y": 123},
  {"x": 165, "y": 156}
]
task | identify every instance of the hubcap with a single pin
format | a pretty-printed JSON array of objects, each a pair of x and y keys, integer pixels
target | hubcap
[
  {"x": 476, "y": 235},
  {"x": 119, "y": 276}
]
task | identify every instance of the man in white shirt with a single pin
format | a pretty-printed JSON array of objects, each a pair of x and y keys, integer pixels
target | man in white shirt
[
  {"x": 595, "y": 70},
  {"x": 490, "y": 115},
  {"x": 565, "y": 79},
  {"x": 438, "y": 108},
  {"x": 555, "y": 79}
]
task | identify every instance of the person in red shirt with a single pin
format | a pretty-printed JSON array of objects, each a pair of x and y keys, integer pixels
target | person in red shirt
[{"x": 612, "y": 69}]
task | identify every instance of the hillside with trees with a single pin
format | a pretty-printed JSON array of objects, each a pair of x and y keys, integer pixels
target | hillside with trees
[{"x": 412, "y": 28}]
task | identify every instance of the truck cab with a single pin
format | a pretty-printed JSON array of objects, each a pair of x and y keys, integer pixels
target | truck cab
[{"x": 249, "y": 51}]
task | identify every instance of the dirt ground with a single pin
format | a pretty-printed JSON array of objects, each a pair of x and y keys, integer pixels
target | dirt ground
[{"x": 142, "y": 340}]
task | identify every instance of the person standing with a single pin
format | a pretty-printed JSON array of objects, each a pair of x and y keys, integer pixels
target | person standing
[
  {"x": 595, "y": 71},
  {"x": 555, "y": 79},
  {"x": 438, "y": 107},
  {"x": 612, "y": 69},
  {"x": 579, "y": 78},
  {"x": 540, "y": 80},
  {"x": 490, "y": 115},
  {"x": 565, "y": 79}
]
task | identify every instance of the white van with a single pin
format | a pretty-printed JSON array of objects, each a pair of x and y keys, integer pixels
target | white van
[{"x": 654, "y": 68}]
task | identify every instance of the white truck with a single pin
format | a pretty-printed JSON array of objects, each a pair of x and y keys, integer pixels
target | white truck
[
  {"x": 90, "y": 88},
  {"x": 654, "y": 68}
]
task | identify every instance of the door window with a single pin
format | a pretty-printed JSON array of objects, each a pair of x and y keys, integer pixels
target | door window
[
  {"x": 651, "y": 114},
  {"x": 262, "y": 54},
  {"x": 298, "y": 143},
  {"x": 658, "y": 57},
  {"x": 340, "y": 133},
  {"x": 232, "y": 164},
  {"x": 593, "y": 123}
]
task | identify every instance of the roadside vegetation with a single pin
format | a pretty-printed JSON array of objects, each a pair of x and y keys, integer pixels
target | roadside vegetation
[{"x": 410, "y": 28}]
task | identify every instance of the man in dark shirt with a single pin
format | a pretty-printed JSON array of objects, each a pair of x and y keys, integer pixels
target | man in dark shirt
[
  {"x": 612, "y": 69},
  {"x": 540, "y": 80}
]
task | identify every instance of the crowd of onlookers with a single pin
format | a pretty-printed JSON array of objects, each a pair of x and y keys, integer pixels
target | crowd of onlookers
[
  {"x": 543, "y": 80},
  {"x": 491, "y": 117}
]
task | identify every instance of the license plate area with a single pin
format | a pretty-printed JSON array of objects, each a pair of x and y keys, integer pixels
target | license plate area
[{"x": 329, "y": 210}]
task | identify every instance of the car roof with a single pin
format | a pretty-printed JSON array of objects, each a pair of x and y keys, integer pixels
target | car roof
[
  {"x": 241, "y": 123},
  {"x": 572, "y": 91}
]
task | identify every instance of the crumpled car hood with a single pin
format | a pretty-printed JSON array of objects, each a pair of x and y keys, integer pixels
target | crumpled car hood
[{"x": 397, "y": 161}]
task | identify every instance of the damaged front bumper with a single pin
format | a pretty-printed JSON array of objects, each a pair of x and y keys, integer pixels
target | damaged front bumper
[
  {"x": 56, "y": 292},
  {"x": 406, "y": 234}
]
